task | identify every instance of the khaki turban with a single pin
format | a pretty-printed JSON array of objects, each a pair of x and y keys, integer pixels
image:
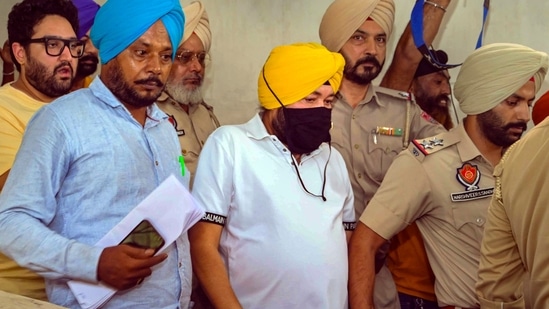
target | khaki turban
[
  {"x": 294, "y": 71},
  {"x": 344, "y": 17},
  {"x": 197, "y": 21},
  {"x": 494, "y": 72}
]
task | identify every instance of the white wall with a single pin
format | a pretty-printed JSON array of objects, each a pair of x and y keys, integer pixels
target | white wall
[{"x": 244, "y": 31}]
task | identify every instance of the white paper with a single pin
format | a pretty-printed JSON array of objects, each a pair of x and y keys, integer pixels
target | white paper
[{"x": 171, "y": 210}]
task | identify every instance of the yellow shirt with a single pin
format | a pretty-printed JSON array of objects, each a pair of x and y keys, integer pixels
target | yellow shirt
[{"x": 16, "y": 109}]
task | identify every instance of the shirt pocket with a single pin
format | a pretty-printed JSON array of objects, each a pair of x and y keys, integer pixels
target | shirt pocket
[
  {"x": 469, "y": 218},
  {"x": 382, "y": 150}
]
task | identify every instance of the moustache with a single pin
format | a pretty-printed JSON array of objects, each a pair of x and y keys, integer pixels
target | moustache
[
  {"x": 63, "y": 65},
  {"x": 520, "y": 125},
  {"x": 149, "y": 80},
  {"x": 368, "y": 59},
  {"x": 90, "y": 58}
]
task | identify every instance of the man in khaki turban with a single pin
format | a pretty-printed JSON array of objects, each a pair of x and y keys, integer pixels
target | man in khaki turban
[
  {"x": 443, "y": 183},
  {"x": 371, "y": 124},
  {"x": 279, "y": 204},
  {"x": 192, "y": 118}
]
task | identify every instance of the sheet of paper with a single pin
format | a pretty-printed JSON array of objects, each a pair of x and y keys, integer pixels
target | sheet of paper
[{"x": 171, "y": 210}]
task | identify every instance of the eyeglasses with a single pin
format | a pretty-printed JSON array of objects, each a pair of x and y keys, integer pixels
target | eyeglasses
[
  {"x": 56, "y": 46},
  {"x": 187, "y": 56}
]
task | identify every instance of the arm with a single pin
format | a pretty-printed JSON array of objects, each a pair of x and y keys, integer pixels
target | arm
[
  {"x": 500, "y": 270},
  {"x": 8, "y": 72},
  {"x": 406, "y": 58},
  {"x": 208, "y": 265},
  {"x": 362, "y": 249}
]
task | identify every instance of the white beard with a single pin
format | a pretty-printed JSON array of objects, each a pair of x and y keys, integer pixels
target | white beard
[{"x": 183, "y": 96}]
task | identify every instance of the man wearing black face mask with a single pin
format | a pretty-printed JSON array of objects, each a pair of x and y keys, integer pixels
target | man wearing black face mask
[{"x": 279, "y": 203}]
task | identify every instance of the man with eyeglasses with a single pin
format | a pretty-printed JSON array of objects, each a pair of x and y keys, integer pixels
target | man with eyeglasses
[
  {"x": 45, "y": 51},
  {"x": 192, "y": 118},
  {"x": 371, "y": 124},
  {"x": 90, "y": 157},
  {"x": 444, "y": 183}
]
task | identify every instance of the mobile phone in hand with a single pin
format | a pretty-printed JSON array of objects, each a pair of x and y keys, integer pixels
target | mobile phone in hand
[{"x": 145, "y": 236}]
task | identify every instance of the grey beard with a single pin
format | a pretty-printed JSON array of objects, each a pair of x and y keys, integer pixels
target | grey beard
[{"x": 184, "y": 96}]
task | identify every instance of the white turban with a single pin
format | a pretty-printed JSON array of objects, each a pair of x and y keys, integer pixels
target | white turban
[
  {"x": 494, "y": 72},
  {"x": 344, "y": 17},
  {"x": 196, "y": 20}
]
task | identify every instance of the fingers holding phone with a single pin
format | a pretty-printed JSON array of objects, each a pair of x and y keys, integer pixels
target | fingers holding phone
[{"x": 128, "y": 264}]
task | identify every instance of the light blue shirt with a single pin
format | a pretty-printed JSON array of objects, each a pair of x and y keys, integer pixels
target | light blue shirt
[{"x": 83, "y": 165}]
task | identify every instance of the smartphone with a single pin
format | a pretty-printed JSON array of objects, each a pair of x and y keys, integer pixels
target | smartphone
[{"x": 144, "y": 235}]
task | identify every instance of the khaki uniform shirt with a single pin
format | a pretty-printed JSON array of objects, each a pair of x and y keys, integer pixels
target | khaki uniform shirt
[
  {"x": 192, "y": 129},
  {"x": 514, "y": 248},
  {"x": 445, "y": 185},
  {"x": 367, "y": 151}
]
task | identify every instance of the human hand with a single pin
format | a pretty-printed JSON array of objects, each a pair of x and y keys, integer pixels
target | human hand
[
  {"x": 124, "y": 266},
  {"x": 5, "y": 53}
]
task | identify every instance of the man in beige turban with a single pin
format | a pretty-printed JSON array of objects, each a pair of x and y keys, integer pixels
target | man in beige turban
[
  {"x": 192, "y": 118},
  {"x": 371, "y": 124},
  {"x": 443, "y": 183},
  {"x": 279, "y": 204}
]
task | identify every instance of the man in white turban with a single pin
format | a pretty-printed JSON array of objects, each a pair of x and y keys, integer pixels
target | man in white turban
[
  {"x": 443, "y": 183},
  {"x": 192, "y": 118},
  {"x": 371, "y": 124}
]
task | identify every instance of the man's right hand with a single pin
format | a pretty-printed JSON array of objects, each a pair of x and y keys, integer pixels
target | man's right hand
[{"x": 124, "y": 266}]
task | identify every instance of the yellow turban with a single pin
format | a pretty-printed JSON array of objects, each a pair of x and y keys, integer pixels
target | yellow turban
[
  {"x": 295, "y": 71},
  {"x": 494, "y": 72},
  {"x": 344, "y": 17},
  {"x": 196, "y": 20}
]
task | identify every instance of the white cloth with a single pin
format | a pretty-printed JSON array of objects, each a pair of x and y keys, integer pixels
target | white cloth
[{"x": 283, "y": 248}]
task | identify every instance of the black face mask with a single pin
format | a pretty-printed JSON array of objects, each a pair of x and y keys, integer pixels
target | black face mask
[{"x": 306, "y": 128}]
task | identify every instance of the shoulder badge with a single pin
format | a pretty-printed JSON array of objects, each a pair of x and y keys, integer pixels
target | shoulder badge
[
  {"x": 422, "y": 147},
  {"x": 428, "y": 117}
]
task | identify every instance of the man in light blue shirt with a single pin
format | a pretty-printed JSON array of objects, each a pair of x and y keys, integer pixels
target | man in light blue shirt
[{"x": 88, "y": 158}]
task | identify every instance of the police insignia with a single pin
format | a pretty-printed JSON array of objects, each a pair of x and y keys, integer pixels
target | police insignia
[
  {"x": 428, "y": 117},
  {"x": 469, "y": 176},
  {"x": 172, "y": 120}
]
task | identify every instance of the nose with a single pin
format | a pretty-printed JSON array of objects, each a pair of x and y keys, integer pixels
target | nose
[
  {"x": 446, "y": 87},
  {"x": 370, "y": 47},
  {"x": 523, "y": 112},
  {"x": 154, "y": 65},
  {"x": 65, "y": 53},
  {"x": 195, "y": 65}
]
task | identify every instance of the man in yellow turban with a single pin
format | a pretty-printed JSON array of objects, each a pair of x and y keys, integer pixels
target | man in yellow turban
[
  {"x": 279, "y": 204},
  {"x": 444, "y": 183},
  {"x": 182, "y": 101},
  {"x": 371, "y": 124}
]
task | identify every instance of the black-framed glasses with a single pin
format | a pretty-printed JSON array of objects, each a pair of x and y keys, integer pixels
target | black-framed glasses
[
  {"x": 55, "y": 46},
  {"x": 187, "y": 56}
]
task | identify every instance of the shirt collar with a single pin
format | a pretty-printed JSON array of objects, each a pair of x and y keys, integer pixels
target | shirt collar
[
  {"x": 370, "y": 97},
  {"x": 467, "y": 150}
]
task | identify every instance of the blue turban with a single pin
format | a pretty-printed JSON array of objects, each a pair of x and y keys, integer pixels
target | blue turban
[
  {"x": 86, "y": 14},
  {"x": 120, "y": 22}
]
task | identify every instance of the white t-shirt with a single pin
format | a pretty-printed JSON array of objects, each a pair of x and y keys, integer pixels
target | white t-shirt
[{"x": 283, "y": 248}]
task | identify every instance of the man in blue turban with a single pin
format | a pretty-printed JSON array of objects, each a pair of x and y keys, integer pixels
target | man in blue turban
[{"x": 102, "y": 150}]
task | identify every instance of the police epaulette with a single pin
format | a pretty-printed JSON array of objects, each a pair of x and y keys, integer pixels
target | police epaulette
[
  {"x": 393, "y": 93},
  {"x": 422, "y": 147},
  {"x": 207, "y": 106}
]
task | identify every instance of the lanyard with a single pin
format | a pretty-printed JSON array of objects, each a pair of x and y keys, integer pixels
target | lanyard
[{"x": 417, "y": 33}]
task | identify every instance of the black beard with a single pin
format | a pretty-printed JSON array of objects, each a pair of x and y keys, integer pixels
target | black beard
[
  {"x": 38, "y": 76},
  {"x": 125, "y": 93},
  {"x": 495, "y": 131},
  {"x": 86, "y": 69},
  {"x": 365, "y": 78}
]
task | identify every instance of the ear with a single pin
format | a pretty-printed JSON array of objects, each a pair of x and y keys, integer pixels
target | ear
[{"x": 19, "y": 53}]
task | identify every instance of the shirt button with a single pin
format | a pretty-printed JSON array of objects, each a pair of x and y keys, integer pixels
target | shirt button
[
  {"x": 180, "y": 264},
  {"x": 156, "y": 163},
  {"x": 354, "y": 116},
  {"x": 480, "y": 220},
  {"x": 359, "y": 175},
  {"x": 284, "y": 150},
  {"x": 184, "y": 151},
  {"x": 357, "y": 146}
]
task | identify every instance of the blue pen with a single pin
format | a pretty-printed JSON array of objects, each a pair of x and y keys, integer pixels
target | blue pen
[{"x": 182, "y": 163}]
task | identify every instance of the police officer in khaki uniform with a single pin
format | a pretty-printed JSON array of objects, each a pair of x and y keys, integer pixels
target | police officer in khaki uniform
[
  {"x": 444, "y": 182},
  {"x": 370, "y": 125},
  {"x": 192, "y": 118}
]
